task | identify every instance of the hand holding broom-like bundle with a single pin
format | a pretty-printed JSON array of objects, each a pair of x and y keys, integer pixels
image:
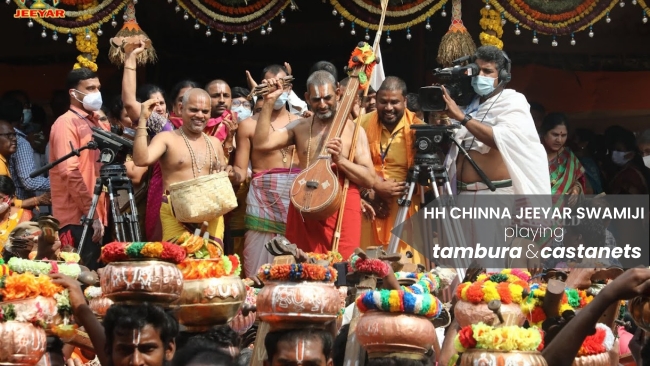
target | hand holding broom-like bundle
[{"x": 264, "y": 89}]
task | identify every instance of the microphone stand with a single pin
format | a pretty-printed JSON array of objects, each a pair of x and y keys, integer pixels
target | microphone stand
[{"x": 92, "y": 145}]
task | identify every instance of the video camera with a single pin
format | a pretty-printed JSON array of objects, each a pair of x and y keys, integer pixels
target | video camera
[
  {"x": 431, "y": 143},
  {"x": 112, "y": 147},
  {"x": 458, "y": 82}
]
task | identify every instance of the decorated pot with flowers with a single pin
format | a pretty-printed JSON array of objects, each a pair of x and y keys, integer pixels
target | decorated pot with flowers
[
  {"x": 34, "y": 300},
  {"x": 400, "y": 320},
  {"x": 212, "y": 293},
  {"x": 532, "y": 305},
  {"x": 303, "y": 293},
  {"x": 97, "y": 302},
  {"x": 594, "y": 350},
  {"x": 43, "y": 267},
  {"x": 481, "y": 344},
  {"x": 140, "y": 271},
  {"x": 510, "y": 287},
  {"x": 21, "y": 343}
]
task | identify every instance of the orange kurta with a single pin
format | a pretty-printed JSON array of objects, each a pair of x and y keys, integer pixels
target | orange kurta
[
  {"x": 398, "y": 159},
  {"x": 73, "y": 180}
]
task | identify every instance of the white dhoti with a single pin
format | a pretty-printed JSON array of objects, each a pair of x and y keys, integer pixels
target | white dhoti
[{"x": 267, "y": 205}]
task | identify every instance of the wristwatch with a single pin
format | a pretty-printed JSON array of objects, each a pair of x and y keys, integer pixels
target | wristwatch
[{"x": 466, "y": 119}]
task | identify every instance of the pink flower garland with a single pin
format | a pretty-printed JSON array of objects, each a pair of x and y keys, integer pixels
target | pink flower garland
[{"x": 370, "y": 265}]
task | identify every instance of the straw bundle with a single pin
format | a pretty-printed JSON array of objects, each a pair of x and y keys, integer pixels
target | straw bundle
[
  {"x": 130, "y": 35},
  {"x": 457, "y": 42}
]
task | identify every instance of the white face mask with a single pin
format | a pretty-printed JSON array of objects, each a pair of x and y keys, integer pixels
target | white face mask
[
  {"x": 281, "y": 101},
  {"x": 242, "y": 113},
  {"x": 646, "y": 161},
  {"x": 91, "y": 101},
  {"x": 618, "y": 157}
]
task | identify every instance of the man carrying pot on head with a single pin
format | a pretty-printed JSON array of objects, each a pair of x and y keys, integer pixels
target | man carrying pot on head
[{"x": 184, "y": 154}]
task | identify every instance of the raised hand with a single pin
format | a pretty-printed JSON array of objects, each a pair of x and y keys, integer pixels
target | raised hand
[{"x": 147, "y": 108}]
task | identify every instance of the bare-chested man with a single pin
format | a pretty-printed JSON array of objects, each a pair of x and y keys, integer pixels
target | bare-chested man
[
  {"x": 308, "y": 134},
  {"x": 273, "y": 173},
  {"x": 184, "y": 154}
]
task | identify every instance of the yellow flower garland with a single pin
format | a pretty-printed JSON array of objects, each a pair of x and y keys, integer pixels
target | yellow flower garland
[
  {"x": 88, "y": 48},
  {"x": 491, "y": 21}
]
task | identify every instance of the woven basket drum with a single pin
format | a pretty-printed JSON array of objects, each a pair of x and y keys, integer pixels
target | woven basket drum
[{"x": 202, "y": 199}]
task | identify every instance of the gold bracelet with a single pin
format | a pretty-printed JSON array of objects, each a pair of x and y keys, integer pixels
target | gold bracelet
[
  {"x": 141, "y": 128},
  {"x": 129, "y": 68}
]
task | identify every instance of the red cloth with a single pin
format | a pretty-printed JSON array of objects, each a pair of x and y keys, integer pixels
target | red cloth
[{"x": 316, "y": 236}]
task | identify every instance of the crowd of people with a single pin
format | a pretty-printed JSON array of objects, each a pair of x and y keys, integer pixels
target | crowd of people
[{"x": 263, "y": 144}]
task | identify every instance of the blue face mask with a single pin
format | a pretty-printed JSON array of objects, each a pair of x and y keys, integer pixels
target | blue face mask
[
  {"x": 281, "y": 101},
  {"x": 242, "y": 113},
  {"x": 483, "y": 85},
  {"x": 27, "y": 116}
]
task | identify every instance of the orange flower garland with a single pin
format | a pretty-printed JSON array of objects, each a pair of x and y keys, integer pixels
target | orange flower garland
[
  {"x": 237, "y": 10},
  {"x": 27, "y": 286}
]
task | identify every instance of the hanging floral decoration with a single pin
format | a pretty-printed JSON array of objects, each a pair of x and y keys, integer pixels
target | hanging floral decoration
[
  {"x": 86, "y": 42},
  {"x": 554, "y": 18},
  {"x": 492, "y": 28},
  {"x": 400, "y": 14},
  {"x": 96, "y": 16},
  {"x": 457, "y": 42},
  {"x": 130, "y": 32},
  {"x": 233, "y": 16}
]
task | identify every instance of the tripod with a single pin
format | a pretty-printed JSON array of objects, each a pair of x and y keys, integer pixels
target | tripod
[
  {"x": 428, "y": 171},
  {"x": 127, "y": 226}
]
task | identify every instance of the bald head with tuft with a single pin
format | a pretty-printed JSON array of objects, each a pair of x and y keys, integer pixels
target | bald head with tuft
[
  {"x": 194, "y": 92},
  {"x": 393, "y": 83}
]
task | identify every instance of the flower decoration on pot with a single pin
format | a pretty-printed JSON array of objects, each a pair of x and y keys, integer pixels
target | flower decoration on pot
[
  {"x": 506, "y": 339},
  {"x": 131, "y": 33},
  {"x": 373, "y": 266},
  {"x": 297, "y": 272},
  {"x": 43, "y": 267},
  {"x": 163, "y": 251},
  {"x": 532, "y": 305},
  {"x": 198, "y": 247},
  {"x": 97, "y": 302},
  {"x": 416, "y": 299},
  {"x": 196, "y": 269},
  {"x": 492, "y": 28},
  {"x": 332, "y": 257}
]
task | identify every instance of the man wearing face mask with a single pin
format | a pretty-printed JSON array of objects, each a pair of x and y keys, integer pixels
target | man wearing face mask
[
  {"x": 73, "y": 180},
  {"x": 643, "y": 142},
  {"x": 273, "y": 172}
]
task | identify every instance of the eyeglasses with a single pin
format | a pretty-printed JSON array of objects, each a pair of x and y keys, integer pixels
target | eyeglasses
[
  {"x": 237, "y": 103},
  {"x": 10, "y": 136}
]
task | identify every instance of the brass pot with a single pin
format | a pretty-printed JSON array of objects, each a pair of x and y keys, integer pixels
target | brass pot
[
  {"x": 208, "y": 302},
  {"x": 468, "y": 313},
  {"x": 21, "y": 344},
  {"x": 601, "y": 359},
  {"x": 283, "y": 303},
  {"x": 481, "y": 357},
  {"x": 139, "y": 281},
  {"x": 37, "y": 308},
  {"x": 639, "y": 308},
  {"x": 382, "y": 332},
  {"x": 100, "y": 305}
]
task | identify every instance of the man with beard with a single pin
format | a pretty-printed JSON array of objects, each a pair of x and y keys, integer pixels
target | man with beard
[
  {"x": 391, "y": 148},
  {"x": 222, "y": 123},
  {"x": 184, "y": 154},
  {"x": 273, "y": 173},
  {"x": 308, "y": 136}
]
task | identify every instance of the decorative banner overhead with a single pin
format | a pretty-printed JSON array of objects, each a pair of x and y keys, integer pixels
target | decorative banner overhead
[
  {"x": 233, "y": 16},
  {"x": 401, "y": 14}
]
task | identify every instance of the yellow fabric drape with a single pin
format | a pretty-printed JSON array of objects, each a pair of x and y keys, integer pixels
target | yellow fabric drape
[
  {"x": 397, "y": 161},
  {"x": 173, "y": 229},
  {"x": 7, "y": 226}
]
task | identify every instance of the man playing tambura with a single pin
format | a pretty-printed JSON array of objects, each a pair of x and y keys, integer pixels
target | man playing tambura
[
  {"x": 308, "y": 134},
  {"x": 184, "y": 154},
  {"x": 274, "y": 171}
]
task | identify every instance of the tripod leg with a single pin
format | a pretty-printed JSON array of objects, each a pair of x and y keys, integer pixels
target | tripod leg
[
  {"x": 118, "y": 221},
  {"x": 405, "y": 204},
  {"x": 134, "y": 218},
  {"x": 88, "y": 220}
]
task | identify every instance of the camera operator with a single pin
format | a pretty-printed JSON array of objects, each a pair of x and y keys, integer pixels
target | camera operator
[
  {"x": 72, "y": 181},
  {"x": 499, "y": 134}
]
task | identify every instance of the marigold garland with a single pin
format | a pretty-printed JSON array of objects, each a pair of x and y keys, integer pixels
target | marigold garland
[
  {"x": 232, "y": 25},
  {"x": 600, "y": 342},
  {"x": 332, "y": 257},
  {"x": 297, "y": 272},
  {"x": 196, "y": 269},
  {"x": 198, "y": 247},
  {"x": 491, "y": 23},
  {"x": 26, "y": 286},
  {"x": 119, "y": 251},
  {"x": 505, "y": 339}
]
